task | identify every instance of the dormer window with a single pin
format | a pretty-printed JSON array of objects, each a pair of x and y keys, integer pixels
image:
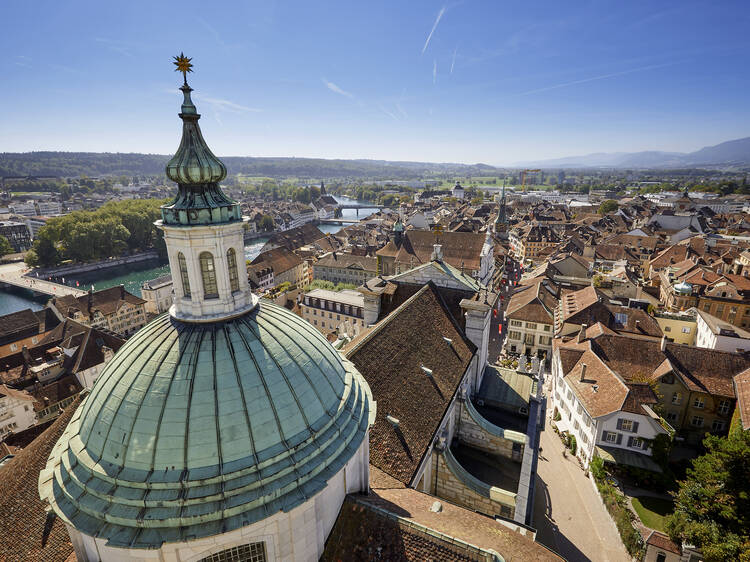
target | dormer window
[{"x": 208, "y": 273}]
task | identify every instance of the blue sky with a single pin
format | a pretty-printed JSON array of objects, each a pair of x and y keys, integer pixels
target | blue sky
[{"x": 472, "y": 81}]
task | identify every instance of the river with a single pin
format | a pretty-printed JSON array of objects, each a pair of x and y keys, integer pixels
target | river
[{"x": 133, "y": 276}]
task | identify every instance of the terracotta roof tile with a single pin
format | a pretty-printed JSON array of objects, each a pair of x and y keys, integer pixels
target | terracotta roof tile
[
  {"x": 391, "y": 358},
  {"x": 398, "y": 525},
  {"x": 31, "y": 532},
  {"x": 742, "y": 388}
]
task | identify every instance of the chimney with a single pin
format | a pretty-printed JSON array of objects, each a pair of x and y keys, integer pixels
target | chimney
[
  {"x": 393, "y": 421},
  {"x": 637, "y": 325},
  {"x": 583, "y": 372},
  {"x": 663, "y": 345},
  {"x": 122, "y": 291},
  {"x": 437, "y": 253},
  {"x": 582, "y": 334}
]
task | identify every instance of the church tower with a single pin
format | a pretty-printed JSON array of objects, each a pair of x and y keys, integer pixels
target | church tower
[{"x": 203, "y": 231}]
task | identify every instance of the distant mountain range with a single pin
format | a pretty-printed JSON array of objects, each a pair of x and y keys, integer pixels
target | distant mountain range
[{"x": 730, "y": 154}]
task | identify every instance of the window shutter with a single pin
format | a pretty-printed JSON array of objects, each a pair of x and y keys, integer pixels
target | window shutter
[
  {"x": 619, "y": 423},
  {"x": 604, "y": 435},
  {"x": 635, "y": 427},
  {"x": 630, "y": 441},
  {"x": 619, "y": 438}
]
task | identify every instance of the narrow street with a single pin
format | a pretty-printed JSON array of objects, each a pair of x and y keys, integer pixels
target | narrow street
[{"x": 568, "y": 514}]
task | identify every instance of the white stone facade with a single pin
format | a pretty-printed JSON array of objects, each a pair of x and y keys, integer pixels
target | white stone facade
[
  {"x": 297, "y": 535},
  {"x": 216, "y": 240},
  {"x": 16, "y": 412},
  {"x": 706, "y": 337},
  {"x": 606, "y": 430},
  {"x": 532, "y": 337}
]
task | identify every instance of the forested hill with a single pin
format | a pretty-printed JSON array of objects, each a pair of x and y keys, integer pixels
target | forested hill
[{"x": 75, "y": 164}]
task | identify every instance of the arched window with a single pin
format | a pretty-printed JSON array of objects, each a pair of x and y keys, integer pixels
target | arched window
[
  {"x": 208, "y": 272},
  {"x": 184, "y": 274},
  {"x": 234, "y": 280}
]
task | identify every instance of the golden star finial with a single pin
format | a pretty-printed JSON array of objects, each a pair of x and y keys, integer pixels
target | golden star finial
[{"x": 183, "y": 65}]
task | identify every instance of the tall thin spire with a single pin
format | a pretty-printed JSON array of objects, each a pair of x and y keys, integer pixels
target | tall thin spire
[{"x": 196, "y": 170}]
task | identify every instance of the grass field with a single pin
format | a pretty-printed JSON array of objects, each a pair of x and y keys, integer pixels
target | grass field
[{"x": 653, "y": 512}]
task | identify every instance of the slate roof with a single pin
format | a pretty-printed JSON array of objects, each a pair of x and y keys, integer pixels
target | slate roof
[
  {"x": 398, "y": 525},
  {"x": 391, "y": 357},
  {"x": 30, "y": 532}
]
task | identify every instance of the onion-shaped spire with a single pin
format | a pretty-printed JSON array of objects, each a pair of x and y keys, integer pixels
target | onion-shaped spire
[{"x": 196, "y": 170}]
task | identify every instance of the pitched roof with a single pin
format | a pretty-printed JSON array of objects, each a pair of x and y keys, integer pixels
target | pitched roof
[
  {"x": 398, "y": 524},
  {"x": 107, "y": 301},
  {"x": 278, "y": 259},
  {"x": 534, "y": 303},
  {"x": 459, "y": 248},
  {"x": 31, "y": 531},
  {"x": 702, "y": 370},
  {"x": 391, "y": 357},
  {"x": 17, "y": 322},
  {"x": 295, "y": 238},
  {"x": 348, "y": 261},
  {"x": 742, "y": 389}
]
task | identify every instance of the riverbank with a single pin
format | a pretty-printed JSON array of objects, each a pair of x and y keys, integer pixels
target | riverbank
[{"x": 81, "y": 268}]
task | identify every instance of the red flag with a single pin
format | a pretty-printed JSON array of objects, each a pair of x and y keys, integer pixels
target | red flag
[
  {"x": 494, "y": 312},
  {"x": 499, "y": 328}
]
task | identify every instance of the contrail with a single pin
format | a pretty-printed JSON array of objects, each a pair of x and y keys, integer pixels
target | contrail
[
  {"x": 453, "y": 62},
  {"x": 434, "y": 71},
  {"x": 434, "y": 26},
  {"x": 593, "y": 78}
]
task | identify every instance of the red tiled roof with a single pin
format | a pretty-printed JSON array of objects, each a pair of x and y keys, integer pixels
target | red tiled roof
[
  {"x": 742, "y": 388},
  {"x": 398, "y": 525},
  {"x": 391, "y": 357},
  {"x": 30, "y": 531}
]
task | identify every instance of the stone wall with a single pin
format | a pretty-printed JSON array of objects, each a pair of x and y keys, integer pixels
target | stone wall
[
  {"x": 457, "y": 486},
  {"x": 496, "y": 441}
]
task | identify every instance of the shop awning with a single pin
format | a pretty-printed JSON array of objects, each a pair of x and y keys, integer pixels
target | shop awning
[{"x": 615, "y": 455}]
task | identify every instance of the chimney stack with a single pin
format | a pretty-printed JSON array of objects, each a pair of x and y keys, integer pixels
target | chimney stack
[
  {"x": 582, "y": 334},
  {"x": 583, "y": 372},
  {"x": 437, "y": 253},
  {"x": 663, "y": 345}
]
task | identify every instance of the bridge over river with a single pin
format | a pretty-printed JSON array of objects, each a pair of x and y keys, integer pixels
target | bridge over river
[{"x": 15, "y": 274}]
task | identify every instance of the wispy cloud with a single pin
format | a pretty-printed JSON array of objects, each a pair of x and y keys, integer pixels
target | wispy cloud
[
  {"x": 122, "y": 47},
  {"x": 434, "y": 27},
  {"x": 402, "y": 111},
  {"x": 434, "y": 71},
  {"x": 595, "y": 78},
  {"x": 335, "y": 89},
  {"x": 388, "y": 113},
  {"x": 22, "y": 61},
  {"x": 221, "y": 105},
  {"x": 453, "y": 60}
]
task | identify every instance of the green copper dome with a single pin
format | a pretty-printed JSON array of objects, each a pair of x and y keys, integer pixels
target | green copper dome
[
  {"x": 197, "y": 172},
  {"x": 198, "y": 429}
]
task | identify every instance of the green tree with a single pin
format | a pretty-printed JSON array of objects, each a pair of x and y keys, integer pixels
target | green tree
[
  {"x": 266, "y": 223},
  {"x": 5, "y": 247},
  {"x": 608, "y": 206},
  {"x": 712, "y": 506}
]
